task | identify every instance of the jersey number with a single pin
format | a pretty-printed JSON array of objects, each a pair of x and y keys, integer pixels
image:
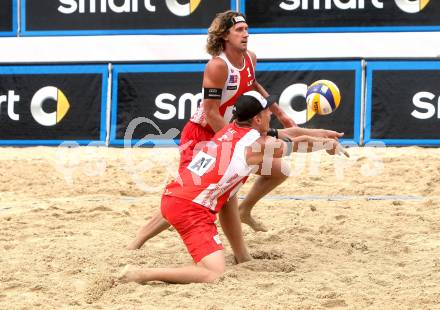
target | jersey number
[
  {"x": 249, "y": 71},
  {"x": 201, "y": 163}
]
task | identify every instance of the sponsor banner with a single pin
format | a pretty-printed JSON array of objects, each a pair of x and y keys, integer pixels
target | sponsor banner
[
  {"x": 47, "y": 105},
  {"x": 8, "y": 17},
  {"x": 95, "y": 17},
  {"x": 403, "y": 102},
  {"x": 289, "y": 80},
  {"x": 341, "y": 16},
  {"x": 153, "y": 102}
]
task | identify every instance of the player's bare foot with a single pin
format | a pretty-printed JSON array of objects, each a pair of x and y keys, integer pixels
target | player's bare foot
[
  {"x": 130, "y": 274},
  {"x": 241, "y": 260},
  {"x": 134, "y": 245},
  {"x": 247, "y": 219}
]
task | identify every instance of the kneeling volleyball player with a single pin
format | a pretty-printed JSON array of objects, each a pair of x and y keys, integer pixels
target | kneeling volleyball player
[{"x": 212, "y": 178}]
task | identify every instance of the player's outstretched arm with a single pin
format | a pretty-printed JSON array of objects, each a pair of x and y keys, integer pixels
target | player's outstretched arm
[
  {"x": 293, "y": 132},
  {"x": 267, "y": 148},
  {"x": 284, "y": 119},
  {"x": 313, "y": 144}
]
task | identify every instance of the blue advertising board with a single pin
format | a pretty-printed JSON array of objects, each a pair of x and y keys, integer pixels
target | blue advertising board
[
  {"x": 8, "y": 18},
  {"x": 49, "y": 105},
  {"x": 341, "y": 16},
  {"x": 402, "y": 102},
  {"x": 151, "y": 103},
  {"x": 111, "y": 17}
]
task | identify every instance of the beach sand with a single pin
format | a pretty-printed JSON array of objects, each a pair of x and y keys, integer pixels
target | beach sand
[{"x": 362, "y": 233}]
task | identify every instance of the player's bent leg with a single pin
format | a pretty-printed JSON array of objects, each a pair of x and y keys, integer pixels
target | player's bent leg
[
  {"x": 231, "y": 225},
  {"x": 155, "y": 226},
  {"x": 265, "y": 183},
  {"x": 212, "y": 266},
  {"x": 209, "y": 269},
  {"x": 132, "y": 274}
]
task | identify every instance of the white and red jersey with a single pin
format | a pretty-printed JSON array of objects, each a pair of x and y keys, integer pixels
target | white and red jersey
[
  {"x": 217, "y": 171},
  {"x": 238, "y": 82}
]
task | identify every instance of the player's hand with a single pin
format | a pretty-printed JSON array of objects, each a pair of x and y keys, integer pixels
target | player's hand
[
  {"x": 333, "y": 147},
  {"x": 330, "y": 134},
  {"x": 293, "y": 132}
]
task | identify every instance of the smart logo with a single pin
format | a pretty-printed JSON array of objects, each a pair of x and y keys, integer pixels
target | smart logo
[
  {"x": 182, "y": 9},
  {"x": 412, "y": 6},
  {"x": 166, "y": 102},
  {"x": 298, "y": 90},
  {"x": 427, "y": 108},
  {"x": 40, "y": 97},
  {"x": 408, "y": 6},
  {"x": 125, "y": 6},
  {"x": 37, "y": 102}
]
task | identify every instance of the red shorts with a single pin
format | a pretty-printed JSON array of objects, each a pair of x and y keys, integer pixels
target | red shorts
[
  {"x": 192, "y": 139},
  {"x": 195, "y": 225}
]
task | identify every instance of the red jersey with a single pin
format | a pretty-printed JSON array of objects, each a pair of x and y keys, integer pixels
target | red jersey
[
  {"x": 238, "y": 82},
  {"x": 217, "y": 171}
]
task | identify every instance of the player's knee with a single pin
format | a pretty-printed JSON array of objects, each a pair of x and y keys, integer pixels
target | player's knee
[
  {"x": 282, "y": 177},
  {"x": 275, "y": 178},
  {"x": 214, "y": 272},
  {"x": 213, "y": 275},
  {"x": 213, "y": 266}
]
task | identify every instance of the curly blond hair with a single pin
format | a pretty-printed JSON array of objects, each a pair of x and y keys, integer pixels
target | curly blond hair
[{"x": 218, "y": 29}]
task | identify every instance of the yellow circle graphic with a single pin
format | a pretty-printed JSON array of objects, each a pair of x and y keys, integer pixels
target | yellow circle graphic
[
  {"x": 182, "y": 9},
  {"x": 53, "y": 118},
  {"x": 412, "y": 6}
]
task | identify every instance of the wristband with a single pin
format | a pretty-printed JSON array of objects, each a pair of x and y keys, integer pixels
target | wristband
[
  {"x": 212, "y": 93},
  {"x": 289, "y": 145},
  {"x": 273, "y": 132}
]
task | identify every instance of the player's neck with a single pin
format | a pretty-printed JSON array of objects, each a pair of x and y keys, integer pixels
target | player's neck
[
  {"x": 236, "y": 57},
  {"x": 246, "y": 124}
]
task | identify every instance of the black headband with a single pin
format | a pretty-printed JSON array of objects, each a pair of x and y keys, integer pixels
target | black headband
[
  {"x": 250, "y": 104},
  {"x": 235, "y": 20}
]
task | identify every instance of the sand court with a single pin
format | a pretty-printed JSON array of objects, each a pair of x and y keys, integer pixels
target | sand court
[{"x": 364, "y": 236}]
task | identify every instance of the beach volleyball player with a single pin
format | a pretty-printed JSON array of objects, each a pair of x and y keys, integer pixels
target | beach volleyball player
[
  {"x": 214, "y": 175},
  {"x": 229, "y": 73}
]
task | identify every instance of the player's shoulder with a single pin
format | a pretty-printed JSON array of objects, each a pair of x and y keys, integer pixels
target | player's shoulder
[
  {"x": 269, "y": 142},
  {"x": 217, "y": 62},
  {"x": 252, "y": 55},
  {"x": 258, "y": 147},
  {"x": 262, "y": 140},
  {"x": 216, "y": 72}
]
